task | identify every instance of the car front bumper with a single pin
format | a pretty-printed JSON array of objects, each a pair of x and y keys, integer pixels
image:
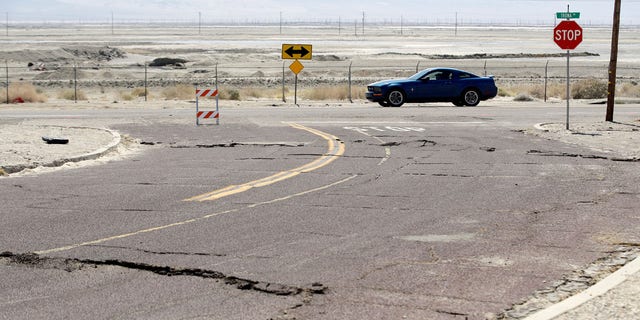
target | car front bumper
[{"x": 374, "y": 97}]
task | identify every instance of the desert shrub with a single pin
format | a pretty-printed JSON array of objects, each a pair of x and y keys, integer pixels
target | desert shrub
[
  {"x": 26, "y": 91},
  {"x": 179, "y": 92},
  {"x": 589, "y": 89},
  {"x": 133, "y": 94},
  {"x": 504, "y": 92},
  {"x": 630, "y": 90},
  {"x": 69, "y": 94},
  {"x": 138, "y": 92},
  {"x": 126, "y": 96},
  {"x": 230, "y": 94},
  {"x": 523, "y": 97}
]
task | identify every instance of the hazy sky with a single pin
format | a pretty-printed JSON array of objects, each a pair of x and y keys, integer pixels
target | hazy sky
[{"x": 525, "y": 11}]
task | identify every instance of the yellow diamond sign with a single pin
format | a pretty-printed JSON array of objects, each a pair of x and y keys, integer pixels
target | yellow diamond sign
[{"x": 296, "y": 67}]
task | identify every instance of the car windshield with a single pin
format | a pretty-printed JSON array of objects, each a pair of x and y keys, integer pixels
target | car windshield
[{"x": 420, "y": 74}]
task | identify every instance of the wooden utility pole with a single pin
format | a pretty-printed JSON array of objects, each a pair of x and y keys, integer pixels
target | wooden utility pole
[{"x": 613, "y": 63}]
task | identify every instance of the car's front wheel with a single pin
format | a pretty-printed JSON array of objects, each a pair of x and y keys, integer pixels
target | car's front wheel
[
  {"x": 396, "y": 98},
  {"x": 471, "y": 97}
]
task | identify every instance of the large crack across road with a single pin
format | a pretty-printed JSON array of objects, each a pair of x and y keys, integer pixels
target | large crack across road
[
  {"x": 577, "y": 155},
  {"x": 71, "y": 264}
]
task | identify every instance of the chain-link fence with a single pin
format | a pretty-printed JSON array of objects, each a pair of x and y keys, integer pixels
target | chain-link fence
[{"x": 320, "y": 80}]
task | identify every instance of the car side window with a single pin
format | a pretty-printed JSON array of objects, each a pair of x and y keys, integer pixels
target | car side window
[
  {"x": 464, "y": 75},
  {"x": 438, "y": 75}
]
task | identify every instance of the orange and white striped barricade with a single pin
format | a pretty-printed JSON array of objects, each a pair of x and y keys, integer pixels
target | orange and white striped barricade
[{"x": 204, "y": 93}]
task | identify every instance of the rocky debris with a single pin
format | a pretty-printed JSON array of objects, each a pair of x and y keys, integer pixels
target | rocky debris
[
  {"x": 491, "y": 55},
  {"x": 90, "y": 53},
  {"x": 328, "y": 57},
  {"x": 168, "y": 62}
]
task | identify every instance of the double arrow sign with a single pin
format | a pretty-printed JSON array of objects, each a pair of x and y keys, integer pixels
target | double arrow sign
[{"x": 296, "y": 51}]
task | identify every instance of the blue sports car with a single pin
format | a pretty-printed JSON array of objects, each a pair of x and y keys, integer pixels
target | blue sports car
[{"x": 434, "y": 85}]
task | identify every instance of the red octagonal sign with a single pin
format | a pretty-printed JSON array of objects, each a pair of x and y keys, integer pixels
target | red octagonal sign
[{"x": 567, "y": 34}]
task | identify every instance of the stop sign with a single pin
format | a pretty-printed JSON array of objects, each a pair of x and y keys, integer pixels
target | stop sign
[{"x": 567, "y": 34}]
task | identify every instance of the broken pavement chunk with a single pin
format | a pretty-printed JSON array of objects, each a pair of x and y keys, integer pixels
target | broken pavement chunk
[{"x": 52, "y": 140}]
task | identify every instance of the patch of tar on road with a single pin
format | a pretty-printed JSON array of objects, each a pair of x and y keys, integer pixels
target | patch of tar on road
[{"x": 237, "y": 144}]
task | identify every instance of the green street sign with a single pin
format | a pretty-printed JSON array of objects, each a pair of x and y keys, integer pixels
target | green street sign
[{"x": 568, "y": 15}]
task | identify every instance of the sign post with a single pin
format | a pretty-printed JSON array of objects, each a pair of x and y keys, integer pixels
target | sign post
[
  {"x": 296, "y": 52},
  {"x": 567, "y": 35}
]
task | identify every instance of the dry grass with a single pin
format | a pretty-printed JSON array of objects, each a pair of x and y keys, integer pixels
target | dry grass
[
  {"x": 133, "y": 94},
  {"x": 262, "y": 93},
  {"x": 629, "y": 90},
  {"x": 582, "y": 89},
  {"x": 179, "y": 92},
  {"x": 70, "y": 94},
  {"x": 25, "y": 91},
  {"x": 589, "y": 89},
  {"x": 329, "y": 92}
]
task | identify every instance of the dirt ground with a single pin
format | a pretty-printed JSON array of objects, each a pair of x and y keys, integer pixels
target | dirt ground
[{"x": 111, "y": 65}]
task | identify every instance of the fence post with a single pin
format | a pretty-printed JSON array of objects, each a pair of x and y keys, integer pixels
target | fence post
[
  {"x": 146, "y": 90},
  {"x": 350, "y": 96},
  {"x": 485, "y": 68},
  {"x": 546, "y": 69},
  {"x": 75, "y": 83},
  {"x": 217, "y": 98},
  {"x": 417, "y": 66},
  {"x": 6, "y": 64}
]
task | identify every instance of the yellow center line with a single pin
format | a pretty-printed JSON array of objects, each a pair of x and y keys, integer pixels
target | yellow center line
[{"x": 335, "y": 149}]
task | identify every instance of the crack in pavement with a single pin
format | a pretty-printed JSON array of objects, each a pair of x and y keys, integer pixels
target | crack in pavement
[
  {"x": 236, "y": 144},
  {"x": 161, "y": 252},
  {"x": 72, "y": 264},
  {"x": 578, "y": 155},
  {"x": 396, "y": 143}
]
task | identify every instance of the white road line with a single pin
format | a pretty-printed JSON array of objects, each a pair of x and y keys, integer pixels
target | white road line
[{"x": 193, "y": 220}]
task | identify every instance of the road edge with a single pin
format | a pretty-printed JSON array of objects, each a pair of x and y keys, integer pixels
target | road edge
[
  {"x": 598, "y": 289},
  {"x": 117, "y": 139}
]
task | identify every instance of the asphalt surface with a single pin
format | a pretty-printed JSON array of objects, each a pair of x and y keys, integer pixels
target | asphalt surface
[{"x": 430, "y": 213}]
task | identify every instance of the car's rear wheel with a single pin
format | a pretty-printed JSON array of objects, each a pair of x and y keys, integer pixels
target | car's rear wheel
[
  {"x": 396, "y": 97},
  {"x": 471, "y": 97}
]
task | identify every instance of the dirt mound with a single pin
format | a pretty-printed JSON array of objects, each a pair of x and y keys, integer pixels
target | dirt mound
[
  {"x": 91, "y": 53},
  {"x": 168, "y": 62}
]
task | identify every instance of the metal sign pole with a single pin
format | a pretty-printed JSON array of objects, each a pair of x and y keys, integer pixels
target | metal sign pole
[
  {"x": 568, "y": 75},
  {"x": 197, "y": 118},
  {"x": 295, "y": 94},
  {"x": 217, "y": 96},
  {"x": 568, "y": 87}
]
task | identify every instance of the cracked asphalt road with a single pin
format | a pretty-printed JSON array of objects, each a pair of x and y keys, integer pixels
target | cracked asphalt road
[{"x": 436, "y": 215}]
